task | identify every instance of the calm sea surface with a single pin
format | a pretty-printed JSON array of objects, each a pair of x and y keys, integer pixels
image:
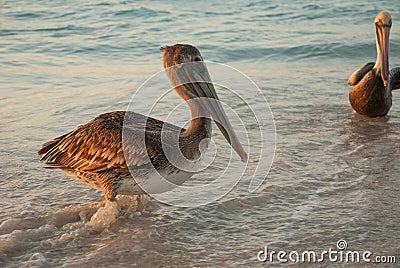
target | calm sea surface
[{"x": 335, "y": 174}]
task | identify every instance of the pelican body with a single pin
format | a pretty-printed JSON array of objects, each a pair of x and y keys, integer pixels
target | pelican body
[
  {"x": 101, "y": 155},
  {"x": 372, "y": 84}
]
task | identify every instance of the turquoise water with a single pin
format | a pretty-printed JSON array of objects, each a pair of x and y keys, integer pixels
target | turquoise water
[{"x": 335, "y": 174}]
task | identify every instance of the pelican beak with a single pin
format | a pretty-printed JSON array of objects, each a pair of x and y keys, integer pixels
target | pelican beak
[
  {"x": 197, "y": 80},
  {"x": 382, "y": 32}
]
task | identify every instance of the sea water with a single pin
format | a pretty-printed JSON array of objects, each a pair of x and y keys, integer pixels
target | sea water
[{"x": 335, "y": 174}]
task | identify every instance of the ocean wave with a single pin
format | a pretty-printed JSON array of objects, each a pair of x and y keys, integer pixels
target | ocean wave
[
  {"x": 318, "y": 51},
  {"x": 140, "y": 12},
  {"x": 70, "y": 28}
]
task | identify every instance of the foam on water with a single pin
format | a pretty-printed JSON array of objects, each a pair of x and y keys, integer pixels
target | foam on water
[
  {"x": 60, "y": 228},
  {"x": 105, "y": 216}
]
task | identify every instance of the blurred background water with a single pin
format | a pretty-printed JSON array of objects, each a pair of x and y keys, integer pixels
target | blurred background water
[{"x": 335, "y": 174}]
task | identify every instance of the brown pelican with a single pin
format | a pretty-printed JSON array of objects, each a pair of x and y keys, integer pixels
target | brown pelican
[
  {"x": 93, "y": 153},
  {"x": 372, "y": 84}
]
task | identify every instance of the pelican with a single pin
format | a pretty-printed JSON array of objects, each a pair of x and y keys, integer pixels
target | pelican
[
  {"x": 372, "y": 84},
  {"x": 94, "y": 153}
]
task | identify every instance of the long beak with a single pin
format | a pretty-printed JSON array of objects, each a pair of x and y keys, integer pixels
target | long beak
[
  {"x": 383, "y": 43},
  {"x": 195, "y": 77}
]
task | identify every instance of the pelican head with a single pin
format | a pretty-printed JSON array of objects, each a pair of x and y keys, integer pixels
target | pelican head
[
  {"x": 383, "y": 23},
  {"x": 188, "y": 74}
]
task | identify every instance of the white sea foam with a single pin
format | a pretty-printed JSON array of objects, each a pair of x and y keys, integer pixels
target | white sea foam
[
  {"x": 105, "y": 216},
  {"x": 58, "y": 228}
]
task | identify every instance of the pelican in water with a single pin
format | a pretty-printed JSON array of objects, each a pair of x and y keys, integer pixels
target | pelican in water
[
  {"x": 96, "y": 154},
  {"x": 372, "y": 84}
]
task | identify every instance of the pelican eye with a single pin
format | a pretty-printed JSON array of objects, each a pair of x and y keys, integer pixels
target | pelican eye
[
  {"x": 381, "y": 23},
  {"x": 197, "y": 58}
]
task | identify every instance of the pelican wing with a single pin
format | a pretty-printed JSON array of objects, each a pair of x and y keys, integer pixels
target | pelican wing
[
  {"x": 360, "y": 73},
  {"x": 395, "y": 78},
  {"x": 97, "y": 145}
]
